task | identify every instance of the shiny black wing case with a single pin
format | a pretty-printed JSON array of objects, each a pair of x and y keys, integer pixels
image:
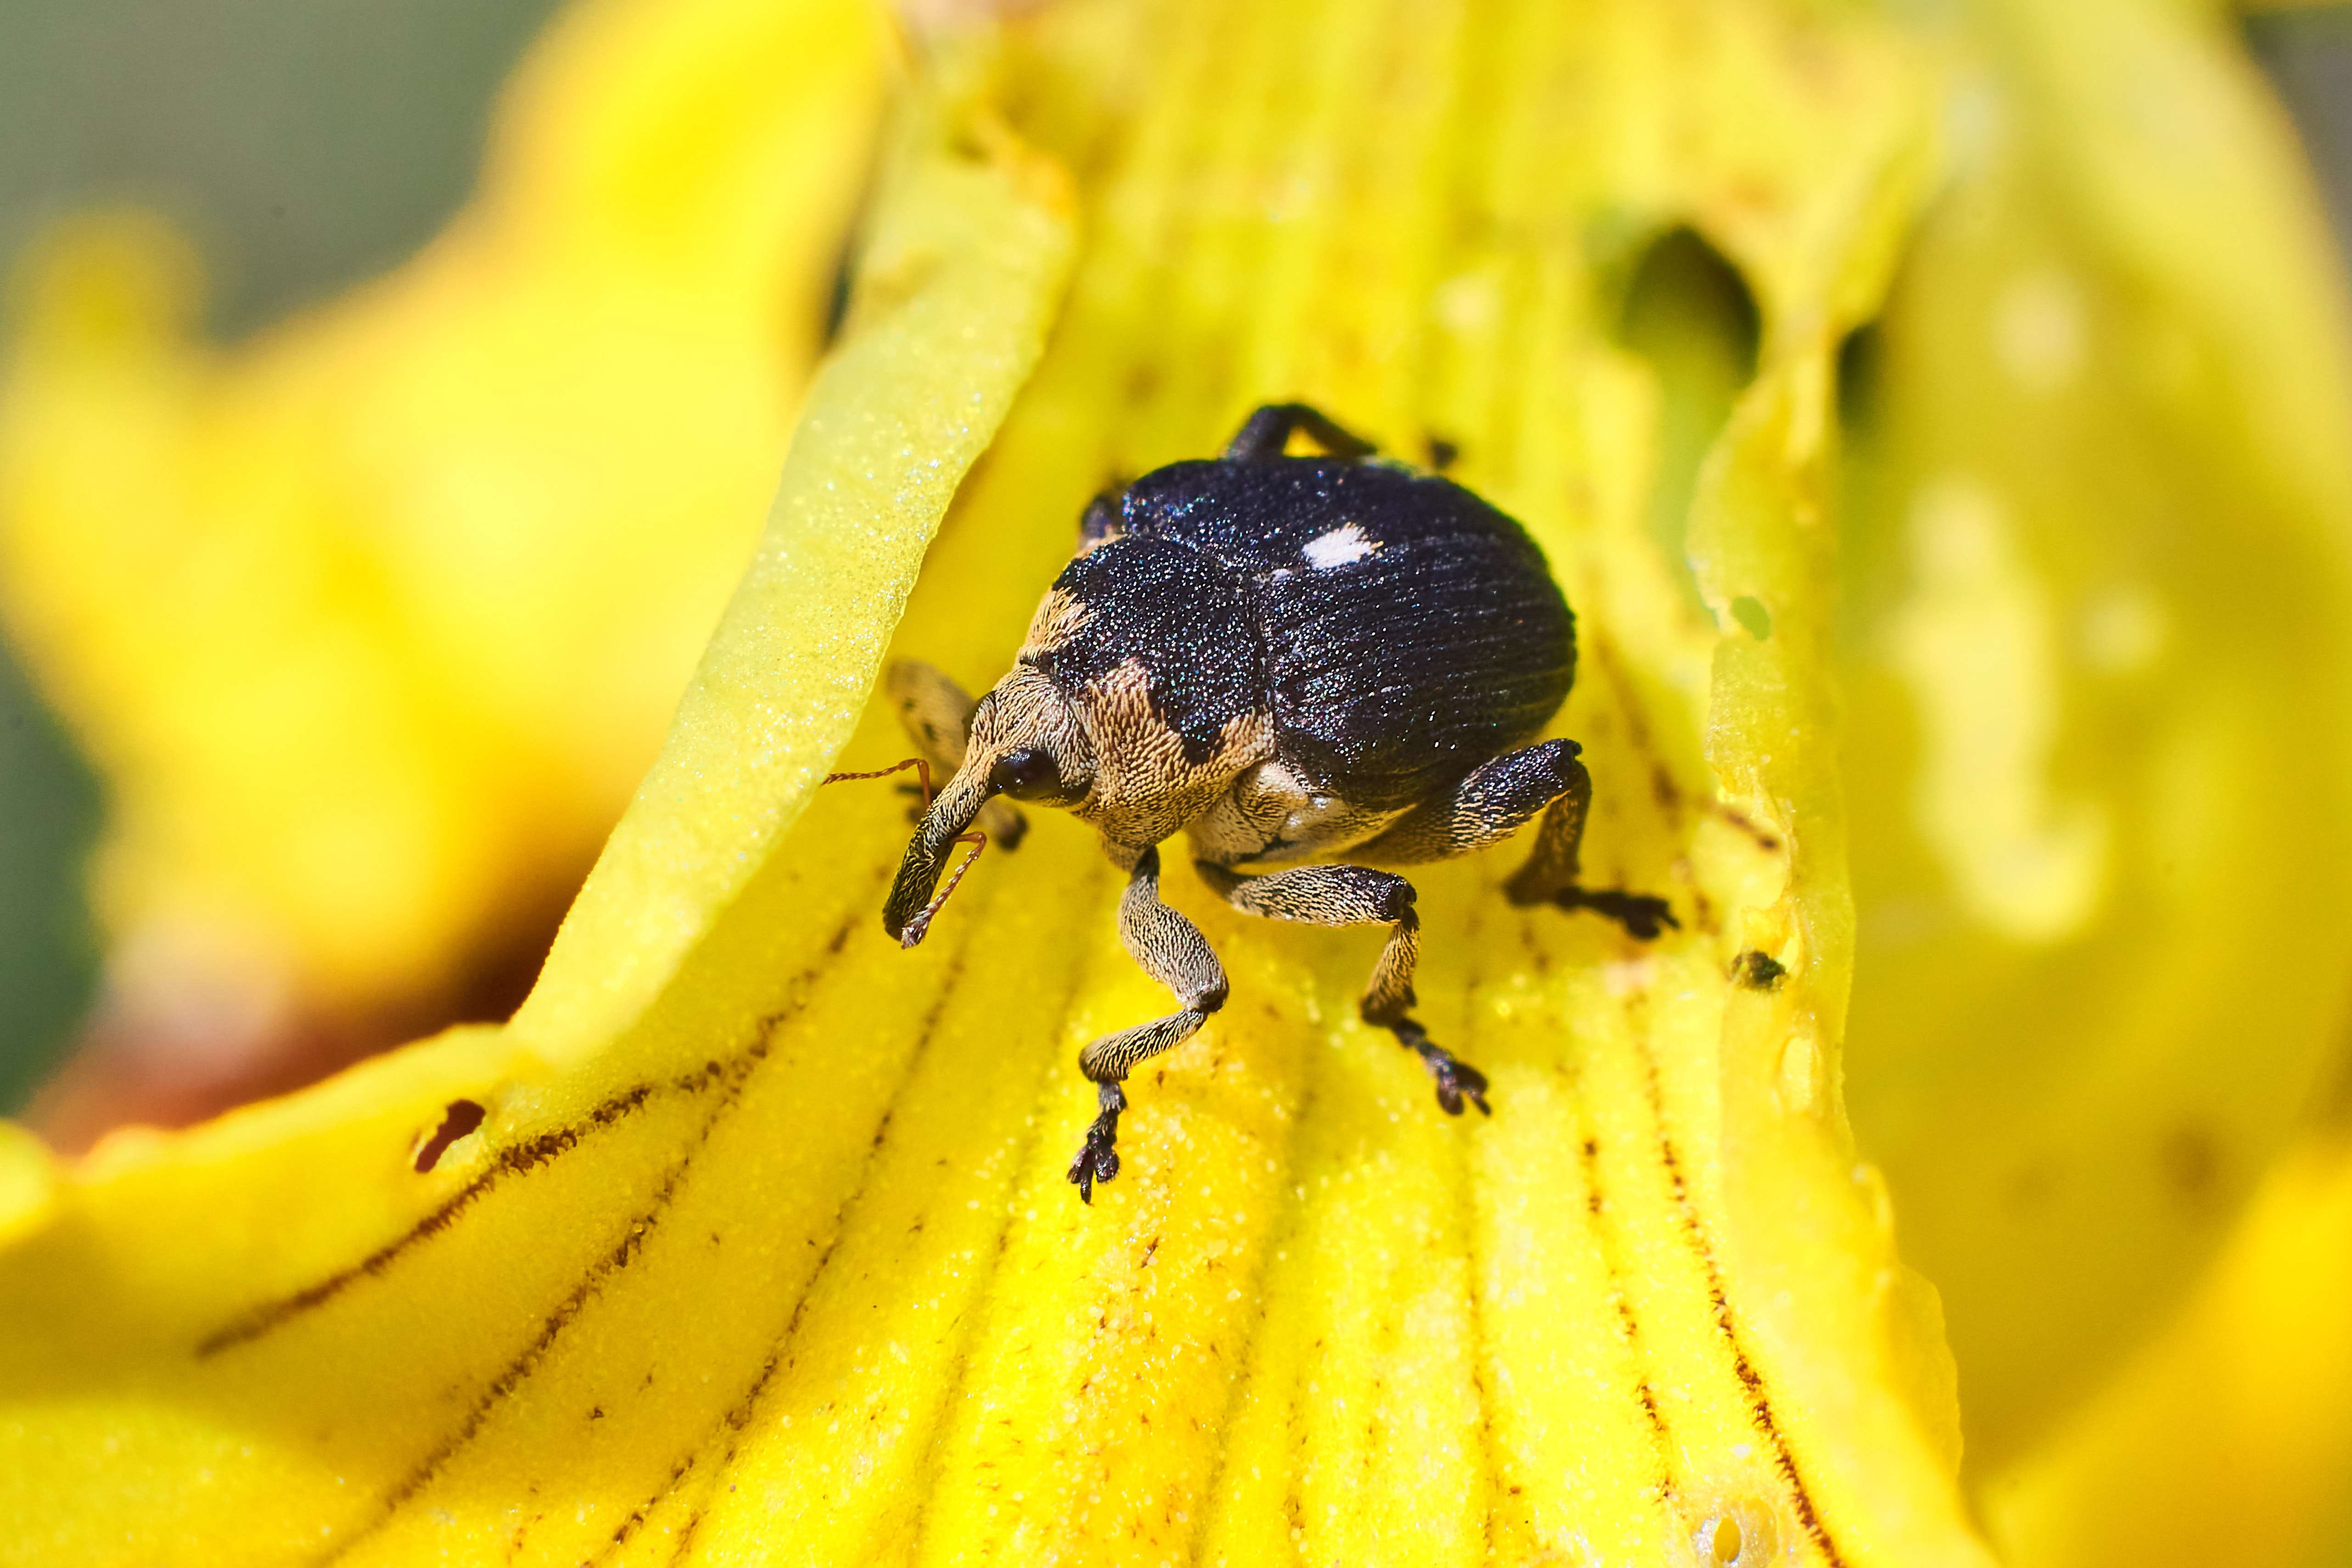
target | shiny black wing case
[{"x": 1411, "y": 631}]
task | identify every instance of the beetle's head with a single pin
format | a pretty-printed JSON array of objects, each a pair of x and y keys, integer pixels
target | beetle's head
[{"x": 1025, "y": 742}]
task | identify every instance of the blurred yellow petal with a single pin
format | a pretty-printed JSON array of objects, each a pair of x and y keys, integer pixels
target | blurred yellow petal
[
  {"x": 2099, "y": 661},
  {"x": 373, "y": 623},
  {"x": 763, "y": 1244},
  {"x": 2228, "y": 1437}
]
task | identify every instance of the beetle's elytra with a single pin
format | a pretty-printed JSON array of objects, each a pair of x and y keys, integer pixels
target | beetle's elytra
[{"x": 1283, "y": 658}]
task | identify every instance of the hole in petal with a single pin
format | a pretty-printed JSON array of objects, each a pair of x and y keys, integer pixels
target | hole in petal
[
  {"x": 1861, "y": 356},
  {"x": 462, "y": 1117},
  {"x": 1741, "y": 1533},
  {"x": 1753, "y": 617},
  {"x": 1690, "y": 313}
]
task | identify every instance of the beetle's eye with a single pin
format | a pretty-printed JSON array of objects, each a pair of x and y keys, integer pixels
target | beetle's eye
[{"x": 1026, "y": 774}]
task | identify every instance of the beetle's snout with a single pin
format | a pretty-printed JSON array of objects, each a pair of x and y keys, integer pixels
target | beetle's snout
[
  {"x": 1031, "y": 743},
  {"x": 1022, "y": 744},
  {"x": 905, "y": 914}
]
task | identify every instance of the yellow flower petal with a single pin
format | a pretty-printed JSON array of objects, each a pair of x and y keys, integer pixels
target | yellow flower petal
[
  {"x": 2101, "y": 610},
  {"x": 373, "y": 623},
  {"x": 2228, "y": 1437},
  {"x": 762, "y": 1244},
  {"x": 169, "y": 1400}
]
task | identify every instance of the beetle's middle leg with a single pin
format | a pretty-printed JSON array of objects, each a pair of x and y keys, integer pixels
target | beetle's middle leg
[
  {"x": 1498, "y": 800},
  {"x": 1358, "y": 895},
  {"x": 1172, "y": 951}
]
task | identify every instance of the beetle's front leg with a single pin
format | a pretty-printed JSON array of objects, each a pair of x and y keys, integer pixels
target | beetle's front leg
[
  {"x": 1172, "y": 951},
  {"x": 1358, "y": 895},
  {"x": 1495, "y": 801}
]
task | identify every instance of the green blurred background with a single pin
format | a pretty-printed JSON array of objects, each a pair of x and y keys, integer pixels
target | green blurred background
[{"x": 306, "y": 144}]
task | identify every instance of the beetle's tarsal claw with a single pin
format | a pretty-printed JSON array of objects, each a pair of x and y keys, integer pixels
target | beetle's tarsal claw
[
  {"x": 1098, "y": 1159},
  {"x": 1456, "y": 1081},
  {"x": 1645, "y": 918}
]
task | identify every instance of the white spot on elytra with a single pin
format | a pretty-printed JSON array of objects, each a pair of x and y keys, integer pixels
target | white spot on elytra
[{"x": 1344, "y": 543}]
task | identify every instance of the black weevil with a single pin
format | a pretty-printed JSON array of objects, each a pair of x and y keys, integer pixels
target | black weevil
[{"x": 1284, "y": 659}]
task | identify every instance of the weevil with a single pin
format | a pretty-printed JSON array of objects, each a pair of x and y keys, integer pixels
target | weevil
[{"x": 1287, "y": 660}]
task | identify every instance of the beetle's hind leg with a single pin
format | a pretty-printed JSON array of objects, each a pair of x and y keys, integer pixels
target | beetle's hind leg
[
  {"x": 1358, "y": 895},
  {"x": 1268, "y": 432},
  {"x": 1549, "y": 875},
  {"x": 1172, "y": 951},
  {"x": 1495, "y": 802}
]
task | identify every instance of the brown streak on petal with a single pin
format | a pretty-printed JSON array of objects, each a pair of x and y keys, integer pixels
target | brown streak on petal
[
  {"x": 551, "y": 1328},
  {"x": 629, "y": 1526},
  {"x": 738, "y": 1415},
  {"x": 1628, "y": 1325},
  {"x": 1759, "y": 1401},
  {"x": 517, "y": 1159},
  {"x": 1767, "y": 842}
]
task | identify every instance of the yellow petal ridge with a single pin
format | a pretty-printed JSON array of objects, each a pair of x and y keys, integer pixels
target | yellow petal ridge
[{"x": 970, "y": 254}]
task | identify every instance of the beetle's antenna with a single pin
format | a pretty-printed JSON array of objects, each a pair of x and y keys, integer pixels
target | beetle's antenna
[
  {"x": 921, "y": 920},
  {"x": 910, "y": 906},
  {"x": 922, "y": 771}
]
